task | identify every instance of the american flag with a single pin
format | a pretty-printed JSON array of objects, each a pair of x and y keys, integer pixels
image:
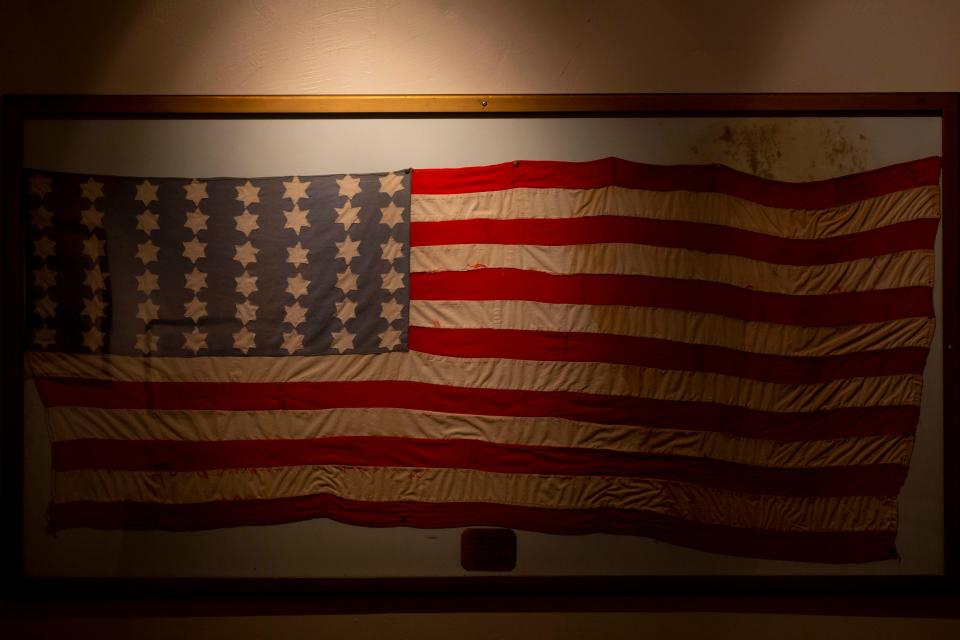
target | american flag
[{"x": 690, "y": 353}]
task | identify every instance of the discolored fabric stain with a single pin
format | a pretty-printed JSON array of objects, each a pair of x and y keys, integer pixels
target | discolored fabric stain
[
  {"x": 820, "y": 149},
  {"x": 753, "y": 147},
  {"x": 844, "y": 153}
]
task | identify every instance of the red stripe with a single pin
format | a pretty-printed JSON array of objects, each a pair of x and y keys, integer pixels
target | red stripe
[
  {"x": 663, "y": 354},
  {"x": 858, "y": 307},
  {"x": 816, "y": 546},
  {"x": 170, "y": 455},
  {"x": 700, "y": 178},
  {"x": 602, "y": 409},
  {"x": 709, "y": 238}
]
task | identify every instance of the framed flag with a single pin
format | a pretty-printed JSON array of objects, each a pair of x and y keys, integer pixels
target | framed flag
[{"x": 588, "y": 343}]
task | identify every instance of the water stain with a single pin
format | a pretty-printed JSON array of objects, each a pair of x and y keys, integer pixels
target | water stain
[
  {"x": 844, "y": 153},
  {"x": 753, "y": 147},
  {"x": 758, "y": 145},
  {"x": 784, "y": 148}
]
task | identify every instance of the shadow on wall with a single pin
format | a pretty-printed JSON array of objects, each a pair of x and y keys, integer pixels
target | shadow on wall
[
  {"x": 61, "y": 46},
  {"x": 381, "y": 46}
]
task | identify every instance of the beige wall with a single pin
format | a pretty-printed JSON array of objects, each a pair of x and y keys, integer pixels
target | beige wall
[
  {"x": 467, "y": 46},
  {"x": 484, "y": 46}
]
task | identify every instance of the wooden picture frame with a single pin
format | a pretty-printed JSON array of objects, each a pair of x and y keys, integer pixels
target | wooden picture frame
[{"x": 18, "y": 109}]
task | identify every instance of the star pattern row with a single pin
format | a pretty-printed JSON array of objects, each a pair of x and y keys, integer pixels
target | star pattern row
[{"x": 151, "y": 268}]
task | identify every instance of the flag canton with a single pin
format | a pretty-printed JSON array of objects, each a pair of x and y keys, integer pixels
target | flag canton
[{"x": 296, "y": 265}]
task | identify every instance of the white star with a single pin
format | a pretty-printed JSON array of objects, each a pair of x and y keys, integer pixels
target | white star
[
  {"x": 196, "y": 280},
  {"x": 194, "y": 250},
  {"x": 245, "y": 254},
  {"x": 93, "y": 339},
  {"x": 195, "y": 309},
  {"x": 342, "y": 340},
  {"x": 295, "y": 189},
  {"x": 348, "y": 249},
  {"x": 391, "y": 215},
  {"x": 244, "y": 340},
  {"x": 40, "y": 185},
  {"x": 93, "y": 307},
  {"x": 292, "y": 341},
  {"x": 91, "y": 219},
  {"x": 91, "y": 190},
  {"x": 147, "y": 311},
  {"x": 146, "y": 192},
  {"x": 346, "y": 309},
  {"x": 391, "y": 183},
  {"x": 391, "y": 250},
  {"x": 248, "y": 194},
  {"x": 349, "y": 186},
  {"x": 297, "y": 286},
  {"x": 246, "y": 222},
  {"x": 347, "y": 215},
  {"x": 295, "y": 314},
  {"x": 296, "y": 219},
  {"x": 194, "y": 340},
  {"x": 297, "y": 255},
  {"x": 347, "y": 281},
  {"x": 389, "y": 338},
  {"x": 44, "y": 337},
  {"x": 195, "y": 191},
  {"x": 147, "y": 283},
  {"x": 246, "y": 312},
  {"x": 196, "y": 221},
  {"x": 45, "y": 277},
  {"x": 148, "y": 221},
  {"x": 46, "y": 307},
  {"x": 147, "y": 252},
  {"x": 93, "y": 248},
  {"x": 43, "y": 247},
  {"x": 391, "y": 310},
  {"x": 95, "y": 278},
  {"x": 147, "y": 342},
  {"x": 246, "y": 284},
  {"x": 392, "y": 280},
  {"x": 41, "y": 217}
]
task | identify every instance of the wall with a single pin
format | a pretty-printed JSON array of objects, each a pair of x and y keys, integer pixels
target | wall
[
  {"x": 493, "y": 46},
  {"x": 421, "y": 46}
]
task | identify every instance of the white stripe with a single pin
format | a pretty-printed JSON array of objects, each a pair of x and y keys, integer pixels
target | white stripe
[
  {"x": 669, "y": 324},
  {"x": 403, "y": 484},
  {"x": 493, "y": 373},
  {"x": 890, "y": 271},
  {"x": 686, "y": 206},
  {"x": 77, "y": 423}
]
